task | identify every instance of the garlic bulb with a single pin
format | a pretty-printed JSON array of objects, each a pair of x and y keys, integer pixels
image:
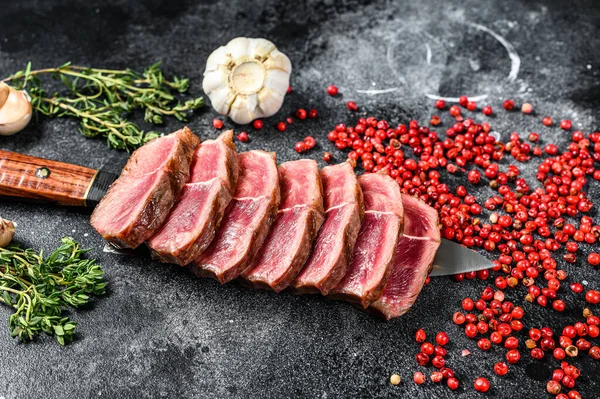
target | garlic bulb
[
  {"x": 7, "y": 231},
  {"x": 15, "y": 110},
  {"x": 247, "y": 79}
]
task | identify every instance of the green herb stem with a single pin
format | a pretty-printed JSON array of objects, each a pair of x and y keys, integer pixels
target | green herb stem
[
  {"x": 39, "y": 288},
  {"x": 103, "y": 99}
]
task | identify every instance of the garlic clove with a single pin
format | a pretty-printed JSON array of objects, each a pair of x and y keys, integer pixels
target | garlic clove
[
  {"x": 15, "y": 112},
  {"x": 238, "y": 48},
  {"x": 277, "y": 80},
  {"x": 7, "y": 232},
  {"x": 214, "y": 80},
  {"x": 261, "y": 48},
  {"x": 4, "y": 92},
  {"x": 278, "y": 60},
  {"x": 269, "y": 101},
  {"x": 219, "y": 57},
  {"x": 221, "y": 99},
  {"x": 244, "y": 109}
]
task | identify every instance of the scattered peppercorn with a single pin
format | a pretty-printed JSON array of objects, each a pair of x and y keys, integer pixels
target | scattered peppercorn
[
  {"x": 566, "y": 124},
  {"x": 258, "y": 124},
  {"x": 243, "y": 137},
  {"x": 217, "y": 124},
  {"x": 481, "y": 384},
  {"x": 419, "y": 378},
  {"x": 301, "y": 114}
]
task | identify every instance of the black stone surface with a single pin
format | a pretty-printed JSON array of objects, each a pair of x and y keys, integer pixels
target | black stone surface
[{"x": 163, "y": 333}]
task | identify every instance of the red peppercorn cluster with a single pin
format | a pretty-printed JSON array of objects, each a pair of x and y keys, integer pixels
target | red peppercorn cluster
[
  {"x": 564, "y": 377},
  {"x": 305, "y": 145},
  {"x": 434, "y": 355},
  {"x": 530, "y": 226},
  {"x": 495, "y": 317}
]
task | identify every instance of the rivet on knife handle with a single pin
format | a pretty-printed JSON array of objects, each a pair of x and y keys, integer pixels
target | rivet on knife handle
[{"x": 36, "y": 179}]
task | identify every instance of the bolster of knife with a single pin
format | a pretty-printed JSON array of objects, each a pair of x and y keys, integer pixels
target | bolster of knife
[{"x": 23, "y": 177}]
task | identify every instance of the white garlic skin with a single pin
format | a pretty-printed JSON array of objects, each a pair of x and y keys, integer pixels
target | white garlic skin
[
  {"x": 247, "y": 79},
  {"x": 15, "y": 110}
]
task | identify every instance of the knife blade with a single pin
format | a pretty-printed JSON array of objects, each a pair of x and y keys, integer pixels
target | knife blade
[
  {"x": 452, "y": 258},
  {"x": 25, "y": 177}
]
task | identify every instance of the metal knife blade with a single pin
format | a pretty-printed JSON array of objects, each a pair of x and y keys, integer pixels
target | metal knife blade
[{"x": 452, "y": 258}]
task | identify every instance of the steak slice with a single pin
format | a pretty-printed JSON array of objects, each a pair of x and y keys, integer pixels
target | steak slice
[
  {"x": 139, "y": 201},
  {"x": 414, "y": 258},
  {"x": 193, "y": 221},
  {"x": 335, "y": 242},
  {"x": 247, "y": 219},
  {"x": 376, "y": 244},
  {"x": 299, "y": 219}
]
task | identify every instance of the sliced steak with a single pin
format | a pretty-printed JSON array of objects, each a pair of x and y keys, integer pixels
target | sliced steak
[
  {"x": 193, "y": 221},
  {"x": 298, "y": 220},
  {"x": 139, "y": 201},
  {"x": 335, "y": 242},
  {"x": 376, "y": 244},
  {"x": 414, "y": 257},
  {"x": 247, "y": 219}
]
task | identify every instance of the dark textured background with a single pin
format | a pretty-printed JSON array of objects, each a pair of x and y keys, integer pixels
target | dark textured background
[{"x": 163, "y": 333}]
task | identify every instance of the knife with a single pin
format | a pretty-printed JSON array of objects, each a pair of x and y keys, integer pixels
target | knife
[
  {"x": 452, "y": 258},
  {"x": 24, "y": 177}
]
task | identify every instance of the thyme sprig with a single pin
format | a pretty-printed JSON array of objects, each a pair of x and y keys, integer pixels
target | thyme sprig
[
  {"x": 103, "y": 99},
  {"x": 39, "y": 288}
]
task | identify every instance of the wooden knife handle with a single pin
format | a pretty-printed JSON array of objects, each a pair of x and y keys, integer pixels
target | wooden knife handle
[{"x": 37, "y": 179}]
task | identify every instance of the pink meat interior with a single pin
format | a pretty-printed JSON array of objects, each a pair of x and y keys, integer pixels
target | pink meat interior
[
  {"x": 414, "y": 256},
  {"x": 210, "y": 160},
  {"x": 127, "y": 200},
  {"x": 285, "y": 242},
  {"x": 300, "y": 185},
  {"x": 329, "y": 245},
  {"x": 234, "y": 237},
  {"x": 373, "y": 253},
  {"x": 378, "y": 195},
  {"x": 246, "y": 216},
  {"x": 152, "y": 156},
  {"x": 256, "y": 176},
  {"x": 420, "y": 220},
  {"x": 339, "y": 185},
  {"x": 188, "y": 216}
]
